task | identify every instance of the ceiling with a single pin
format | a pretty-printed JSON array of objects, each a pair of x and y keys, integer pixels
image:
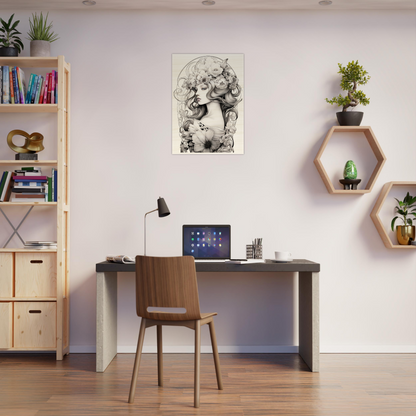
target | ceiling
[{"x": 196, "y": 5}]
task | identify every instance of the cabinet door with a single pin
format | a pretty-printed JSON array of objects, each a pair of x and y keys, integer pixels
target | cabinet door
[
  {"x": 35, "y": 275},
  {"x": 35, "y": 325},
  {"x": 6, "y": 275},
  {"x": 5, "y": 324}
]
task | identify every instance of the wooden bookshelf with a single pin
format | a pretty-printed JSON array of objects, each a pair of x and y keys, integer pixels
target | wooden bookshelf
[
  {"x": 51, "y": 267},
  {"x": 375, "y": 147}
]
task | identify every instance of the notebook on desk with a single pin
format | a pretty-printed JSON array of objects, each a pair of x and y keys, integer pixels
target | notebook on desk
[{"x": 207, "y": 242}]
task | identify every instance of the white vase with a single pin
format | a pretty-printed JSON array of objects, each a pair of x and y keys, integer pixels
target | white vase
[{"x": 40, "y": 48}]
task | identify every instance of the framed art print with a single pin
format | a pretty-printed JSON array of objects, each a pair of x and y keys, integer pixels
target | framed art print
[{"x": 207, "y": 104}]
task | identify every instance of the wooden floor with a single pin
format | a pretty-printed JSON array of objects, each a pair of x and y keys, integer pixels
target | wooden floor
[{"x": 254, "y": 384}]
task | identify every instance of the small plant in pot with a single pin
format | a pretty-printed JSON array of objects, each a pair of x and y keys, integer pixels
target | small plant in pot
[
  {"x": 353, "y": 75},
  {"x": 40, "y": 35},
  {"x": 407, "y": 209},
  {"x": 11, "y": 44}
]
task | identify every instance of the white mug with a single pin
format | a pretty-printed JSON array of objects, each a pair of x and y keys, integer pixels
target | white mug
[{"x": 283, "y": 255}]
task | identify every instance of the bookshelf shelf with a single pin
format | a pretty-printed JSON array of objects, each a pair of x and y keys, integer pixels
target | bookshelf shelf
[
  {"x": 25, "y": 250},
  {"x": 28, "y": 108},
  {"x": 45, "y": 272},
  {"x": 29, "y": 162},
  {"x": 36, "y": 204}
]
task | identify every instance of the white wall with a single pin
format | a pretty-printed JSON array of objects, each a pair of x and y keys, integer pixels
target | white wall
[{"x": 122, "y": 162}]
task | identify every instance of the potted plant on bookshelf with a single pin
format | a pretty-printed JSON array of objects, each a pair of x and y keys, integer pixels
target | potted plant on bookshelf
[
  {"x": 41, "y": 35},
  {"x": 407, "y": 208},
  {"x": 353, "y": 75},
  {"x": 11, "y": 44}
]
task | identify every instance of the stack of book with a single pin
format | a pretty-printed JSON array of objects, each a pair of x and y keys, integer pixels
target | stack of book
[
  {"x": 40, "y": 89},
  {"x": 41, "y": 245},
  {"x": 28, "y": 185}
]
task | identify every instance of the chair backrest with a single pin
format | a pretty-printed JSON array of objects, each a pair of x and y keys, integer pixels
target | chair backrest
[{"x": 167, "y": 282}]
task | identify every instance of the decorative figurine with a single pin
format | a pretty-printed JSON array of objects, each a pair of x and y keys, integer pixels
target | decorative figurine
[
  {"x": 350, "y": 180},
  {"x": 33, "y": 144}
]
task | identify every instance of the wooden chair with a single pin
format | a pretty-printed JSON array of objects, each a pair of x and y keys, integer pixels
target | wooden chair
[{"x": 170, "y": 282}]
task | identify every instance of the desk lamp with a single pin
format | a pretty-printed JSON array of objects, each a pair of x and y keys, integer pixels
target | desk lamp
[{"x": 163, "y": 210}]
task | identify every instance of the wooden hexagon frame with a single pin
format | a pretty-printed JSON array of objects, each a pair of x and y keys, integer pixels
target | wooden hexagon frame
[
  {"x": 376, "y": 211},
  {"x": 375, "y": 147}
]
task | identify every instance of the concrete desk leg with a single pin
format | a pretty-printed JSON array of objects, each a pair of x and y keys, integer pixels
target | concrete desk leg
[
  {"x": 309, "y": 319},
  {"x": 106, "y": 320}
]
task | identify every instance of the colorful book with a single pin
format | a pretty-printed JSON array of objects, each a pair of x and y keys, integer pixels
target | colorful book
[
  {"x": 53, "y": 88},
  {"x": 1, "y": 84},
  {"x": 3, "y": 181},
  {"x": 7, "y": 190},
  {"x": 49, "y": 88},
  {"x": 30, "y": 179},
  {"x": 45, "y": 93},
  {"x": 38, "y": 90},
  {"x": 15, "y": 86},
  {"x": 21, "y": 81},
  {"x": 56, "y": 87},
  {"x": 42, "y": 91},
  {"x": 49, "y": 189},
  {"x": 6, "y": 85},
  {"x": 29, "y": 88},
  {"x": 34, "y": 89},
  {"x": 29, "y": 183},
  {"x": 11, "y": 86}
]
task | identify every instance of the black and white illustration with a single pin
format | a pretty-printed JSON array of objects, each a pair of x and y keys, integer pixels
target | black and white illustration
[{"x": 207, "y": 108}]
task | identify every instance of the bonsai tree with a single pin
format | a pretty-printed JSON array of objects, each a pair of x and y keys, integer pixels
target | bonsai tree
[
  {"x": 409, "y": 202},
  {"x": 353, "y": 75},
  {"x": 40, "y": 30},
  {"x": 8, "y": 34}
]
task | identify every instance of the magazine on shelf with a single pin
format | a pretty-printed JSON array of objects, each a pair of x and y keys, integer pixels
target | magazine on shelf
[{"x": 121, "y": 259}]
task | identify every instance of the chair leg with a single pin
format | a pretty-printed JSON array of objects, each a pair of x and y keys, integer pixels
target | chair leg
[
  {"x": 197, "y": 362},
  {"x": 159, "y": 356},
  {"x": 137, "y": 361},
  {"x": 215, "y": 354}
]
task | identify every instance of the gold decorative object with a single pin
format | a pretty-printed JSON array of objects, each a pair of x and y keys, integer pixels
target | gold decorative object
[
  {"x": 33, "y": 142},
  {"x": 405, "y": 233}
]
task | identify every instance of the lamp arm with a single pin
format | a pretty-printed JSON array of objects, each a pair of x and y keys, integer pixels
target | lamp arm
[{"x": 145, "y": 215}]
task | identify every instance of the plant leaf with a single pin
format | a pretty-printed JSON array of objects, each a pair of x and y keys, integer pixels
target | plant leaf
[{"x": 393, "y": 221}]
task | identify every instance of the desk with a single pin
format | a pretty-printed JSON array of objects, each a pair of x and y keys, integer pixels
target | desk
[{"x": 308, "y": 303}]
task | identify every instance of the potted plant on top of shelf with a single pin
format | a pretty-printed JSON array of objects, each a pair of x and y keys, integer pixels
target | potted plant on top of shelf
[
  {"x": 40, "y": 35},
  {"x": 11, "y": 43},
  {"x": 353, "y": 75},
  {"x": 405, "y": 233}
]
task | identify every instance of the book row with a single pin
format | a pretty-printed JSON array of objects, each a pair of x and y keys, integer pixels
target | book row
[
  {"x": 28, "y": 185},
  {"x": 39, "y": 90}
]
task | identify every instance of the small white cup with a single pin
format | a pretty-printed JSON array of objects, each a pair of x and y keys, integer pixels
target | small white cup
[{"x": 283, "y": 255}]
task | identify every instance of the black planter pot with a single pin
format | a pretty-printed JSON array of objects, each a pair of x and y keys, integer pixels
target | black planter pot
[
  {"x": 350, "y": 118},
  {"x": 8, "y": 52}
]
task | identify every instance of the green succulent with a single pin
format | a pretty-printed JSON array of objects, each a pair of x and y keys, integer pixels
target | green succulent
[
  {"x": 352, "y": 76},
  {"x": 40, "y": 30},
  {"x": 406, "y": 208},
  {"x": 8, "y": 34}
]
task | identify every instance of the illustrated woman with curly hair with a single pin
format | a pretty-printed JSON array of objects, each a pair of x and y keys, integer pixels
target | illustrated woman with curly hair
[{"x": 208, "y": 95}]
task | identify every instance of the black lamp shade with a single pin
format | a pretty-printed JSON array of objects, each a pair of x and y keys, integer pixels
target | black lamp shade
[{"x": 162, "y": 208}]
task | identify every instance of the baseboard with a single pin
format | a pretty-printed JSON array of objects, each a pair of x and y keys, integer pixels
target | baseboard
[
  {"x": 285, "y": 349},
  {"x": 368, "y": 349},
  {"x": 205, "y": 349}
]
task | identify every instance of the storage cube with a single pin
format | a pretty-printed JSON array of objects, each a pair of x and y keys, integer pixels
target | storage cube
[
  {"x": 6, "y": 309},
  {"x": 6, "y": 275},
  {"x": 35, "y": 275},
  {"x": 35, "y": 325}
]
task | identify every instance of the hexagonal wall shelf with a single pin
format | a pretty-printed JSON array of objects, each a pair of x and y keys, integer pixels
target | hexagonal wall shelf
[
  {"x": 375, "y": 147},
  {"x": 376, "y": 211}
]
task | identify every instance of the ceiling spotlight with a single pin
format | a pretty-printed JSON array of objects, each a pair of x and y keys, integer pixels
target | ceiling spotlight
[
  {"x": 89, "y": 3},
  {"x": 325, "y": 2},
  {"x": 208, "y": 2}
]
